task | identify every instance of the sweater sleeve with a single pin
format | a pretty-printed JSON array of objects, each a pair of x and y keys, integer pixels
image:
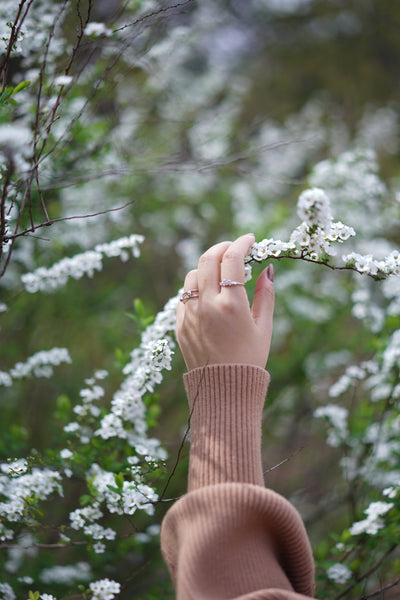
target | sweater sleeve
[{"x": 229, "y": 537}]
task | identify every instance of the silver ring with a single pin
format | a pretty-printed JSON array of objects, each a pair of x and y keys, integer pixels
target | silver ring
[
  {"x": 188, "y": 295},
  {"x": 229, "y": 283}
]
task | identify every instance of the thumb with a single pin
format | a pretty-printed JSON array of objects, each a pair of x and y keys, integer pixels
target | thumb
[{"x": 263, "y": 303}]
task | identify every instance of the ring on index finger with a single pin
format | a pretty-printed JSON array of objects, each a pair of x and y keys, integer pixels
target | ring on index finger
[{"x": 189, "y": 295}]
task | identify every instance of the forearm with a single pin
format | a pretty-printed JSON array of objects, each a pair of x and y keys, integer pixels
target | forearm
[
  {"x": 226, "y": 403},
  {"x": 230, "y": 537}
]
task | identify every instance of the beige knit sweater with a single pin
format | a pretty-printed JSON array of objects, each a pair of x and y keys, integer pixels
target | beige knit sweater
[{"x": 229, "y": 536}]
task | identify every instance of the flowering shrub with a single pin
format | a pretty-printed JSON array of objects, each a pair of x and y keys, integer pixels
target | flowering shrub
[{"x": 112, "y": 127}]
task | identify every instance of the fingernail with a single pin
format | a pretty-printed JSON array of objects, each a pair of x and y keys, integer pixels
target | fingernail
[
  {"x": 250, "y": 234},
  {"x": 270, "y": 272}
]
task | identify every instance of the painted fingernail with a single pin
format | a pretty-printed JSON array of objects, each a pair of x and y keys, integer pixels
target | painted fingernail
[{"x": 270, "y": 272}]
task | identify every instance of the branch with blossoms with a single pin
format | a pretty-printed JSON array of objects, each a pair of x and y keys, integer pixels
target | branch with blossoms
[{"x": 312, "y": 241}]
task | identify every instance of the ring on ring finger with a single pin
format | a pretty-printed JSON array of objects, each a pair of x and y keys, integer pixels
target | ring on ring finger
[{"x": 189, "y": 295}]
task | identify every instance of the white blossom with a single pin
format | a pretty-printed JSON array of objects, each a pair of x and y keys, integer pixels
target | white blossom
[
  {"x": 127, "y": 417},
  {"x": 66, "y": 574},
  {"x": 41, "y": 363},
  {"x": 14, "y": 138},
  {"x": 15, "y": 468},
  {"x": 373, "y": 523},
  {"x": 62, "y": 80},
  {"x": 339, "y": 573},
  {"x": 38, "y": 484},
  {"x": 104, "y": 589},
  {"x": 313, "y": 208},
  {"x": 6, "y": 591},
  {"x": 86, "y": 263},
  {"x": 23, "y": 547},
  {"x": 65, "y": 453},
  {"x": 72, "y": 427},
  {"x": 80, "y": 517},
  {"x": 97, "y": 29},
  {"x": 5, "y": 379},
  {"x": 99, "y": 547},
  {"x": 337, "y": 415}
]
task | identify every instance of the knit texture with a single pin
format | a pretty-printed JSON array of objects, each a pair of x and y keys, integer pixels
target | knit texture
[
  {"x": 229, "y": 537},
  {"x": 226, "y": 403}
]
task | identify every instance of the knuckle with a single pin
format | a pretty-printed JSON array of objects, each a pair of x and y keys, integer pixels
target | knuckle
[
  {"x": 228, "y": 305},
  {"x": 232, "y": 255},
  {"x": 205, "y": 258},
  {"x": 191, "y": 276}
]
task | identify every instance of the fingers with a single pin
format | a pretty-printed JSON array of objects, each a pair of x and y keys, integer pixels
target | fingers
[
  {"x": 209, "y": 271},
  {"x": 232, "y": 266},
  {"x": 263, "y": 303},
  {"x": 191, "y": 283}
]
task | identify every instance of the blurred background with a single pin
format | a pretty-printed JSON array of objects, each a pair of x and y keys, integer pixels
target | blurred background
[{"x": 210, "y": 118}]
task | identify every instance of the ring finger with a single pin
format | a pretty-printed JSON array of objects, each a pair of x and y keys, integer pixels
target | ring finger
[{"x": 191, "y": 284}]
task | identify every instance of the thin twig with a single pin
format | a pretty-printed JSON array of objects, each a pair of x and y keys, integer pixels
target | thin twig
[
  {"x": 155, "y": 13},
  {"x": 316, "y": 262},
  {"x": 51, "y": 221},
  {"x": 172, "y": 473},
  {"x": 367, "y": 573},
  {"x": 285, "y": 460},
  {"x": 15, "y": 29},
  {"x": 382, "y": 589}
]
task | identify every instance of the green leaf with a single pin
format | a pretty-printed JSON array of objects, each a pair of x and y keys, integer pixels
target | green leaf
[
  {"x": 119, "y": 481},
  {"x": 63, "y": 403},
  {"x": 85, "y": 500},
  {"x": 139, "y": 308},
  {"x": 21, "y": 86}
]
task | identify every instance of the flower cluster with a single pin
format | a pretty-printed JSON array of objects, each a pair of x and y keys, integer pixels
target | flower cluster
[
  {"x": 97, "y": 30},
  {"x": 339, "y": 573},
  {"x": 34, "y": 31},
  {"x": 17, "y": 489},
  {"x": 379, "y": 376},
  {"x": 337, "y": 415},
  {"x": 66, "y": 574},
  {"x": 352, "y": 376},
  {"x": 159, "y": 355},
  {"x": 373, "y": 523},
  {"x": 84, "y": 518},
  {"x": 40, "y": 365},
  {"x": 15, "y": 468},
  {"x": 104, "y": 589},
  {"x": 314, "y": 209},
  {"x": 313, "y": 239},
  {"x": 126, "y": 419},
  {"x": 15, "y": 145},
  {"x": 6, "y": 591},
  {"x": 86, "y": 263},
  {"x": 390, "y": 265},
  {"x": 132, "y": 495}
]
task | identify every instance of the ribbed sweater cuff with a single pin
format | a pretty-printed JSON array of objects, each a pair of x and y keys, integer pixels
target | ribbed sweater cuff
[{"x": 226, "y": 403}]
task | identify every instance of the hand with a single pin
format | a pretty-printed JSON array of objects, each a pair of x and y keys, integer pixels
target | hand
[{"x": 219, "y": 326}]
